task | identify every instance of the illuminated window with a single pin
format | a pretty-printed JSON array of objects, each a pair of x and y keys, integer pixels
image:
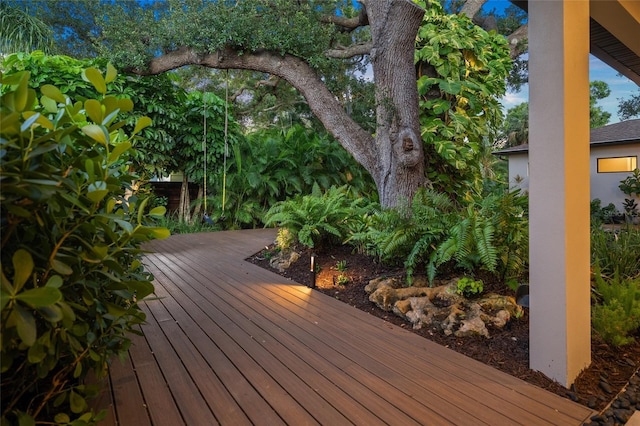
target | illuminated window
[{"x": 617, "y": 164}]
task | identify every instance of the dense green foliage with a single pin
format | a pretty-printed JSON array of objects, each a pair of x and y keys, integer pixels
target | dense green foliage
[
  {"x": 248, "y": 26},
  {"x": 489, "y": 232},
  {"x": 175, "y": 141},
  {"x": 616, "y": 252},
  {"x": 155, "y": 97},
  {"x": 397, "y": 234},
  {"x": 318, "y": 219},
  {"x": 615, "y": 314},
  {"x": 20, "y": 31},
  {"x": 71, "y": 235},
  {"x": 629, "y": 107},
  {"x": 462, "y": 72},
  {"x": 272, "y": 165}
]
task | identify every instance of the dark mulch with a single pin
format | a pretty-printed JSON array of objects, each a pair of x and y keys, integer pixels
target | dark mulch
[{"x": 507, "y": 349}]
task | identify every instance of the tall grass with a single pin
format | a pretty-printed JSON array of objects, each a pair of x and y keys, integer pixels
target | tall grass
[{"x": 616, "y": 252}]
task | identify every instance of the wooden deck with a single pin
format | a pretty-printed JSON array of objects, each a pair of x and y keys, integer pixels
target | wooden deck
[{"x": 227, "y": 342}]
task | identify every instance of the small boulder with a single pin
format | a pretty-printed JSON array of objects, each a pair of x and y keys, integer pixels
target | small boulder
[{"x": 283, "y": 260}]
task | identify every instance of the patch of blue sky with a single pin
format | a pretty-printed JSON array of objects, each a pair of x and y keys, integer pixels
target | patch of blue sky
[{"x": 621, "y": 87}]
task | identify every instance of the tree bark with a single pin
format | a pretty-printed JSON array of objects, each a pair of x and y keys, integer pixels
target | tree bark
[
  {"x": 394, "y": 26},
  {"x": 394, "y": 158},
  {"x": 184, "y": 208}
]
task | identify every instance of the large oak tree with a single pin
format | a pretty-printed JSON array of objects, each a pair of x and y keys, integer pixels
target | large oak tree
[
  {"x": 294, "y": 40},
  {"x": 300, "y": 42}
]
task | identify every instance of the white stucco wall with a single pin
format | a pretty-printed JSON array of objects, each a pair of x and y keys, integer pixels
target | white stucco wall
[
  {"x": 519, "y": 171},
  {"x": 605, "y": 185}
]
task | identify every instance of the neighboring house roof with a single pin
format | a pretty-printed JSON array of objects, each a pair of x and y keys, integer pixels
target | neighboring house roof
[
  {"x": 621, "y": 133},
  {"x": 624, "y": 131}
]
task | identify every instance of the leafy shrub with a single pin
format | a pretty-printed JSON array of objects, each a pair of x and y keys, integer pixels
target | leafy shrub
[
  {"x": 462, "y": 72},
  {"x": 600, "y": 215},
  {"x": 273, "y": 166},
  {"x": 631, "y": 184},
  {"x": 395, "y": 235},
  {"x": 317, "y": 219},
  {"x": 468, "y": 287},
  {"x": 616, "y": 313},
  {"x": 616, "y": 252},
  {"x": 71, "y": 257},
  {"x": 492, "y": 233}
]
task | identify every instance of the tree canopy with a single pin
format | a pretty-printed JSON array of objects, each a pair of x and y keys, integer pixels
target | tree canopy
[
  {"x": 629, "y": 107},
  {"x": 312, "y": 45}
]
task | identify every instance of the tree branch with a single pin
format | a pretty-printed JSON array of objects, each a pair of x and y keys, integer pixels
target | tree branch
[
  {"x": 472, "y": 7},
  {"x": 299, "y": 74},
  {"x": 518, "y": 41},
  {"x": 350, "y": 51},
  {"x": 348, "y": 24}
]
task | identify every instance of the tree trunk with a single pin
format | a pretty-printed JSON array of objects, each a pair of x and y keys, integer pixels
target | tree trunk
[
  {"x": 199, "y": 206},
  {"x": 400, "y": 158},
  {"x": 184, "y": 209}
]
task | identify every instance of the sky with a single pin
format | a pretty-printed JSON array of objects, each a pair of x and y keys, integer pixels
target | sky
[{"x": 621, "y": 87}]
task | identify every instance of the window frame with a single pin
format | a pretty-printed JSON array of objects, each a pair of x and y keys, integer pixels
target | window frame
[{"x": 632, "y": 157}]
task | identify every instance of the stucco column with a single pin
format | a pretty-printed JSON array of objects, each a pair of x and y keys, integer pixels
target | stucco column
[{"x": 560, "y": 326}]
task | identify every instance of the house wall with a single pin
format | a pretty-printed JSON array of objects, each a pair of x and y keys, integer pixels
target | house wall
[
  {"x": 519, "y": 171},
  {"x": 605, "y": 185}
]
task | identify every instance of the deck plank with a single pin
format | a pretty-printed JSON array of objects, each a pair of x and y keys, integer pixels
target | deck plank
[
  {"x": 227, "y": 342},
  {"x": 128, "y": 396},
  {"x": 158, "y": 398}
]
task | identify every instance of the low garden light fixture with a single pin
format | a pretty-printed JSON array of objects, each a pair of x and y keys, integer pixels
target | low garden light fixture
[{"x": 312, "y": 269}]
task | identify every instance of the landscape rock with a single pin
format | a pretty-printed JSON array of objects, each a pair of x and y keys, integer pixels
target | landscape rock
[
  {"x": 441, "y": 306},
  {"x": 283, "y": 260}
]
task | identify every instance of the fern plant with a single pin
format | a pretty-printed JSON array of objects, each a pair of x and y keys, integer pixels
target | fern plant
[
  {"x": 492, "y": 234},
  {"x": 316, "y": 219},
  {"x": 406, "y": 234}
]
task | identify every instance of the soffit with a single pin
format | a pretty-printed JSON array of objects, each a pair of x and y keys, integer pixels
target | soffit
[{"x": 607, "y": 47}]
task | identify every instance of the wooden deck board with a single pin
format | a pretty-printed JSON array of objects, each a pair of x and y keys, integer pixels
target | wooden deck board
[
  {"x": 153, "y": 384},
  {"x": 227, "y": 342}
]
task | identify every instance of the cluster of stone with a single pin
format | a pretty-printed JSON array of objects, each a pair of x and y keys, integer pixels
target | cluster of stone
[
  {"x": 625, "y": 407},
  {"x": 441, "y": 306}
]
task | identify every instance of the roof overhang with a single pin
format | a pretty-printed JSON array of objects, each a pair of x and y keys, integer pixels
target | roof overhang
[{"x": 614, "y": 38}]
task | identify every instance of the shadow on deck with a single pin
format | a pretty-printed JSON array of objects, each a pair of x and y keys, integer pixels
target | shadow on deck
[{"x": 227, "y": 342}]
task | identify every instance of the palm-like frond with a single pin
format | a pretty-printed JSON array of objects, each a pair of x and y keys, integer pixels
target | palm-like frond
[{"x": 21, "y": 32}]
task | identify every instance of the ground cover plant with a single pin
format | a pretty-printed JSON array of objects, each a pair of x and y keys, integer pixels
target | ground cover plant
[{"x": 71, "y": 259}]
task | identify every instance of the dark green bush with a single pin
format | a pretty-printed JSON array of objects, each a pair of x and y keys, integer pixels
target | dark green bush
[
  {"x": 275, "y": 165},
  {"x": 615, "y": 314},
  {"x": 404, "y": 235},
  {"x": 600, "y": 215},
  {"x": 489, "y": 233},
  {"x": 616, "y": 252},
  {"x": 492, "y": 233},
  {"x": 71, "y": 258}
]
